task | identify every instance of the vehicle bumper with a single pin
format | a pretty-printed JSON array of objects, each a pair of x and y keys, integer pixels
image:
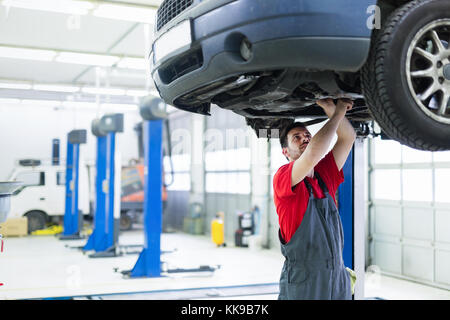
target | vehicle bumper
[{"x": 306, "y": 35}]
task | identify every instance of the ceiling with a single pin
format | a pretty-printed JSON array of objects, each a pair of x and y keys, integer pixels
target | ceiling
[{"x": 41, "y": 47}]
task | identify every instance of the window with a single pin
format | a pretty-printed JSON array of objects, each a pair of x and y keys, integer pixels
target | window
[
  {"x": 181, "y": 178},
  {"x": 442, "y": 156},
  {"x": 442, "y": 185},
  {"x": 386, "y": 151},
  {"x": 228, "y": 171},
  {"x": 31, "y": 178},
  {"x": 415, "y": 156},
  {"x": 228, "y": 182},
  {"x": 417, "y": 185},
  {"x": 60, "y": 178},
  {"x": 386, "y": 184}
]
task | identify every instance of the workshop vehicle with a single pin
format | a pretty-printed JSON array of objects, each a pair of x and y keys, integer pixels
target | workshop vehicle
[
  {"x": 269, "y": 61},
  {"x": 42, "y": 195}
]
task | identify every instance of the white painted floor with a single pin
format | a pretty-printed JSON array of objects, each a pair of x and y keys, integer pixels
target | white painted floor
[{"x": 45, "y": 267}]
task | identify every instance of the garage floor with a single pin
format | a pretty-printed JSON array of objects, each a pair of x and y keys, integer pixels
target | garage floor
[{"x": 45, "y": 267}]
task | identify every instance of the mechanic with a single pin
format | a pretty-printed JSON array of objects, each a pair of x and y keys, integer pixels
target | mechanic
[{"x": 310, "y": 231}]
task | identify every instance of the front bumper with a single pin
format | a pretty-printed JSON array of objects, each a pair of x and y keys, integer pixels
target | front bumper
[{"x": 306, "y": 35}]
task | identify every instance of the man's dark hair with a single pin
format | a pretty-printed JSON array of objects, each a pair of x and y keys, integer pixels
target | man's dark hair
[{"x": 284, "y": 132}]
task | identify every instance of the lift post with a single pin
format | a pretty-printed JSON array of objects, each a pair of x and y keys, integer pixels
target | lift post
[
  {"x": 104, "y": 237},
  {"x": 149, "y": 261},
  {"x": 72, "y": 218},
  {"x": 96, "y": 240},
  {"x": 351, "y": 208}
]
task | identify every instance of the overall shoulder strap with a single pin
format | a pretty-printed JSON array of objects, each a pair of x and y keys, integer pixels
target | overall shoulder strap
[
  {"x": 308, "y": 186},
  {"x": 322, "y": 184}
]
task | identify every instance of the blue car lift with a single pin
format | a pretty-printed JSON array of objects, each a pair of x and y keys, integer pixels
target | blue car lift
[
  {"x": 104, "y": 237},
  {"x": 351, "y": 208},
  {"x": 149, "y": 263},
  {"x": 72, "y": 218}
]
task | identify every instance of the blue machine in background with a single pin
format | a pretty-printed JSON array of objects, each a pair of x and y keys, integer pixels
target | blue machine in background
[
  {"x": 72, "y": 217},
  {"x": 104, "y": 237},
  {"x": 149, "y": 263}
]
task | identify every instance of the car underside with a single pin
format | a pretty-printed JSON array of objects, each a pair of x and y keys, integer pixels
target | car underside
[{"x": 271, "y": 99}]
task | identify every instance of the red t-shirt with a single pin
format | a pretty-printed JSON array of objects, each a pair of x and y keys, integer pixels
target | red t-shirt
[{"x": 291, "y": 202}]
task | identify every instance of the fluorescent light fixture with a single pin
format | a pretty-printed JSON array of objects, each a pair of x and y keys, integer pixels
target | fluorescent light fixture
[
  {"x": 120, "y": 106},
  {"x": 56, "y": 88},
  {"x": 28, "y": 54},
  {"x": 87, "y": 59},
  {"x": 41, "y": 103},
  {"x": 14, "y": 85},
  {"x": 132, "y": 63},
  {"x": 9, "y": 101},
  {"x": 127, "y": 13},
  {"x": 75, "y": 104},
  {"x": 61, "y": 6},
  {"x": 137, "y": 93},
  {"x": 104, "y": 91}
]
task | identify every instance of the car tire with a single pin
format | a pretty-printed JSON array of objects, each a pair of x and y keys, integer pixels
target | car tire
[
  {"x": 36, "y": 220},
  {"x": 393, "y": 94},
  {"x": 126, "y": 222}
]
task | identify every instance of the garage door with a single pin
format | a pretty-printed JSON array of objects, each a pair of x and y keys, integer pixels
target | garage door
[{"x": 409, "y": 212}]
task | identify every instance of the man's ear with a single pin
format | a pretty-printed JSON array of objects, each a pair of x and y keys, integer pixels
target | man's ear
[{"x": 285, "y": 153}]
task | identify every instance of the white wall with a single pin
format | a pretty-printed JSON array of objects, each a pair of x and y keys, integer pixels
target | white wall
[{"x": 26, "y": 131}]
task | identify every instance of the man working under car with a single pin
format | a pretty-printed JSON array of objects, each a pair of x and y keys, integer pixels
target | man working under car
[{"x": 310, "y": 232}]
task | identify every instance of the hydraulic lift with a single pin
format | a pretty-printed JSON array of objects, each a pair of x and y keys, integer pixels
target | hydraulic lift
[
  {"x": 149, "y": 263},
  {"x": 104, "y": 237},
  {"x": 351, "y": 208},
  {"x": 72, "y": 218}
]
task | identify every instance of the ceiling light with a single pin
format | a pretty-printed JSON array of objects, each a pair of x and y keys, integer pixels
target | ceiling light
[
  {"x": 132, "y": 63},
  {"x": 127, "y": 13},
  {"x": 56, "y": 88},
  {"x": 14, "y": 85},
  {"x": 104, "y": 91},
  {"x": 61, "y": 6},
  {"x": 137, "y": 93},
  {"x": 25, "y": 53},
  {"x": 119, "y": 107},
  {"x": 87, "y": 59},
  {"x": 41, "y": 103},
  {"x": 9, "y": 101},
  {"x": 74, "y": 104}
]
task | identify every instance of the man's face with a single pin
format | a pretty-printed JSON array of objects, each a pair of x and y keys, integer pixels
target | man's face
[{"x": 297, "y": 141}]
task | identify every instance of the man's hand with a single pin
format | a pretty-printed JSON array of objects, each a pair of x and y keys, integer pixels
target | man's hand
[
  {"x": 346, "y": 104},
  {"x": 327, "y": 105},
  {"x": 345, "y": 132},
  {"x": 330, "y": 108}
]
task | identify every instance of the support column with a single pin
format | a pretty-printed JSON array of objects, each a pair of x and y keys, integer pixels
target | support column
[
  {"x": 72, "y": 218},
  {"x": 197, "y": 160},
  {"x": 96, "y": 240},
  {"x": 260, "y": 181},
  {"x": 352, "y": 211},
  {"x": 106, "y": 227},
  {"x": 149, "y": 261}
]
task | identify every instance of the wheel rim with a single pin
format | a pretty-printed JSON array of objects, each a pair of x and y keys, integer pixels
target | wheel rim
[
  {"x": 428, "y": 70},
  {"x": 125, "y": 223}
]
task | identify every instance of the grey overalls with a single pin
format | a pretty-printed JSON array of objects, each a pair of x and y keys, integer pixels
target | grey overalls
[{"x": 314, "y": 268}]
